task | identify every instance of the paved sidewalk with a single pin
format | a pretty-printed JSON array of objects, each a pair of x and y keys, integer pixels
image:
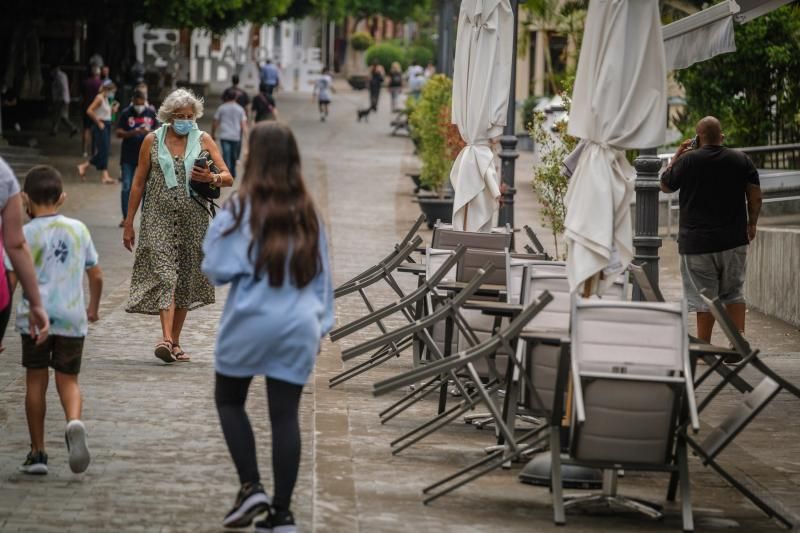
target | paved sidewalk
[{"x": 159, "y": 460}]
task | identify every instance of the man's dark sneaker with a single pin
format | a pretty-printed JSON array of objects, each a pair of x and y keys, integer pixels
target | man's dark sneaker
[
  {"x": 250, "y": 502},
  {"x": 75, "y": 437},
  {"x": 277, "y": 522},
  {"x": 35, "y": 463}
]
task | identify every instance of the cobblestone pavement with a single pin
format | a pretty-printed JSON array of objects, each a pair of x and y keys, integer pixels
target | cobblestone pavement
[{"x": 159, "y": 460}]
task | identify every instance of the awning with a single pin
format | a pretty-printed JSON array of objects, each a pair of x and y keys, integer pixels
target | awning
[{"x": 710, "y": 32}]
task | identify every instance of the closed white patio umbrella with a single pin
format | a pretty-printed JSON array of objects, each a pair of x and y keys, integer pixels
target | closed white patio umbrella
[
  {"x": 481, "y": 80},
  {"x": 619, "y": 102}
]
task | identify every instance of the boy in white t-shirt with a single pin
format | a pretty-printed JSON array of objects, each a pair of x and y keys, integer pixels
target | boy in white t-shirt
[
  {"x": 322, "y": 92},
  {"x": 62, "y": 251}
]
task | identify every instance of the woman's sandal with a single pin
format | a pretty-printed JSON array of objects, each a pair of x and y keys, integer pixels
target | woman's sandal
[
  {"x": 180, "y": 356},
  {"x": 163, "y": 351}
]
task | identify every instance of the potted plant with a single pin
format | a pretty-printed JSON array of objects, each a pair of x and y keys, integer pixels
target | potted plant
[
  {"x": 360, "y": 41},
  {"x": 438, "y": 145},
  {"x": 549, "y": 182}
]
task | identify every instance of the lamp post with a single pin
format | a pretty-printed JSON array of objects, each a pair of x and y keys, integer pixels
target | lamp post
[
  {"x": 445, "y": 48},
  {"x": 508, "y": 141},
  {"x": 646, "y": 241}
]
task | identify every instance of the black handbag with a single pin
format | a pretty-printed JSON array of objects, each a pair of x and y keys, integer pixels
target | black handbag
[{"x": 205, "y": 190}]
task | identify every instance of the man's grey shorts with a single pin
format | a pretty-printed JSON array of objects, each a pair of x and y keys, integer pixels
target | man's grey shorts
[{"x": 719, "y": 273}]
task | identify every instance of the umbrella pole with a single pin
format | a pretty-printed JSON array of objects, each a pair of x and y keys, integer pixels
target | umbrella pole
[{"x": 466, "y": 214}]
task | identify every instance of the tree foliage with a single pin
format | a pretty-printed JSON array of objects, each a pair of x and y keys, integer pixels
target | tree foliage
[
  {"x": 549, "y": 183},
  {"x": 754, "y": 91},
  {"x": 215, "y": 15},
  {"x": 437, "y": 138}
]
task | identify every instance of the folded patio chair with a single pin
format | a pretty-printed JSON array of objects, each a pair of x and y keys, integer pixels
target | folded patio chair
[
  {"x": 382, "y": 265},
  {"x": 540, "y": 365},
  {"x": 632, "y": 387},
  {"x": 407, "y": 306},
  {"x": 537, "y": 244},
  {"x": 503, "y": 338},
  {"x": 752, "y": 403}
]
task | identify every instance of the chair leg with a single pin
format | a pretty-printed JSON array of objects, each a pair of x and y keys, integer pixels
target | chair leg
[
  {"x": 686, "y": 490},
  {"x": 556, "y": 483}
]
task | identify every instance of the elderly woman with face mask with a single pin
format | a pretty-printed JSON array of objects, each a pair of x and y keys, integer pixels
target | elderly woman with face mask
[{"x": 167, "y": 280}]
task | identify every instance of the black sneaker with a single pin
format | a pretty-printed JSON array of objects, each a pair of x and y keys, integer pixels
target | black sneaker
[
  {"x": 250, "y": 502},
  {"x": 277, "y": 522},
  {"x": 35, "y": 463}
]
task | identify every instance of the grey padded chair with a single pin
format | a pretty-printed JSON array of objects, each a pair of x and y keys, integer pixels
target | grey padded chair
[
  {"x": 752, "y": 403},
  {"x": 631, "y": 379}
]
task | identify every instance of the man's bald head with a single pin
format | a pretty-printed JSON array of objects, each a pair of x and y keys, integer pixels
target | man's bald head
[{"x": 710, "y": 131}]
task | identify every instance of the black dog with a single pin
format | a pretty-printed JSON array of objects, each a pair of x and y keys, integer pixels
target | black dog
[{"x": 363, "y": 114}]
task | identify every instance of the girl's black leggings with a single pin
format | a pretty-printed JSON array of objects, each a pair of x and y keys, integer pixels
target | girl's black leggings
[{"x": 284, "y": 400}]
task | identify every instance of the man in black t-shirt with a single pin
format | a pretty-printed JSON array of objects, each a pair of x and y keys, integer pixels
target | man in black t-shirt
[
  {"x": 716, "y": 224},
  {"x": 263, "y": 105},
  {"x": 135, "y": 122}
]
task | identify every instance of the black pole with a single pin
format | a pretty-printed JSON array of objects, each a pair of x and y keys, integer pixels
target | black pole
[
  {"x": 445, "y": 44},
  {"x": 508, "y": 141},
  {"x": 646, "y": 241}
]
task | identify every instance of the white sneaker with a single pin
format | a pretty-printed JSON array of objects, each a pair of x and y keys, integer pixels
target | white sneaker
[{"x": 75, "y": 436}]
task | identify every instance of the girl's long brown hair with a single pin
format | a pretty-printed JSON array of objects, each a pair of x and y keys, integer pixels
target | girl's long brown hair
[{"x": 282, "y": 214}]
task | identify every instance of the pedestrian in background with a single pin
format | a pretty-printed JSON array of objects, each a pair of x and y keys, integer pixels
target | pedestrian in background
[
  {"x": 239, "y": 94},
  {"x": 269, "y": 244},
  {"x": 430, "y": 70},
  {"x": 230, "y": 121},
  {"x": 720, "y": 201},
  {"x": 270, "y": 76},
  {"x": 59, "y": 90},
  {"x": 395, "y": 84},
  {"x": 166, "y": 278},
  {"x": 90, "y": 87},
  {"x": 376, "y": 78},
  {"x": 263, "y": 105},
  {"x": 322, "y": 92},
  {"x": 99, "y": 112},
  {"x": 14, "y": 250},
  {"x": 135, "y": 121},
  {"x": 63, "y": 250}
]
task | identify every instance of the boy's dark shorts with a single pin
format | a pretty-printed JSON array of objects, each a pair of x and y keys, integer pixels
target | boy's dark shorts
[{"x": 62, "y": 353}]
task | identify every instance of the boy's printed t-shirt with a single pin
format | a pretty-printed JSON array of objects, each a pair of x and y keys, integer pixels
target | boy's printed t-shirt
[{"x": 62, "y": 251}]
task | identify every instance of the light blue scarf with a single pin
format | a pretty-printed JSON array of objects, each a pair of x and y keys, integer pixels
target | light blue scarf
[{"x": 166, "y": 161}]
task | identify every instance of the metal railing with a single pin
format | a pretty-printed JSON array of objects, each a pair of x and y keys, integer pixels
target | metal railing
[{"x": 775, "y": 157}]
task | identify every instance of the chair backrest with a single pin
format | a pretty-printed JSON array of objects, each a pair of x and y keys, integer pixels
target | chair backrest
[
  {"x": 649, "y": 290},
  {"x": 630, "y": 367},
  {"x": 449, "y": 239},
  {"x": 629, "y": 337},
  {"x": 553, "y": 279},
  {"x": 730, "y": 330},
  {"x": 515, "y": 268},
  {"x": 476, "y": 258}
]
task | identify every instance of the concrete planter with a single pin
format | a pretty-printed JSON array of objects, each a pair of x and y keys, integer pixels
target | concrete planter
[{"x": 436, "y": 208}]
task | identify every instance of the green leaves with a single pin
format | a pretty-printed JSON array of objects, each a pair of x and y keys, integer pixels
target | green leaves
[
  {"x": 549, "y": 184},
  {"x": 214, "y": 15},
  {"x": 754, "y": 91},
  {"x": 431, "y": 123}
]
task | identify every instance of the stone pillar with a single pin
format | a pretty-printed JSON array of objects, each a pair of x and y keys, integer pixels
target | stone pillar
[
  {"x": 508, "y": 142},
  {"x": 646, "y": 241}
]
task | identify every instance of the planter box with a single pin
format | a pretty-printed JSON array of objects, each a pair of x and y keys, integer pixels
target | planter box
[
  {"x": 436, "y": 208},
  {"x": 357, "y": 82}
]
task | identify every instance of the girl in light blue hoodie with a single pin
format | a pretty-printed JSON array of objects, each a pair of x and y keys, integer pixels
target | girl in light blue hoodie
[{"x": 269, "y": 244}]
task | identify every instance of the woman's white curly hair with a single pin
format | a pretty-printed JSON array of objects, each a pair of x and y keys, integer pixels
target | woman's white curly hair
[{"x": 177, "y": 99}]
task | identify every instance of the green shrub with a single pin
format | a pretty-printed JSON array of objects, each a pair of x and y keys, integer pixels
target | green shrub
[
  {"x": 438, "y": 139},
  {"x": 527, "y": 110},
  {"x": 361, "y": 41},
  {"x": 385, "y": 54},
  {"x": 419, "y": 55}
]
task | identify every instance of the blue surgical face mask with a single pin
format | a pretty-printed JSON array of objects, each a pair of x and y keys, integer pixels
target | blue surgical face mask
[{"x": 182, "y": 126}]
